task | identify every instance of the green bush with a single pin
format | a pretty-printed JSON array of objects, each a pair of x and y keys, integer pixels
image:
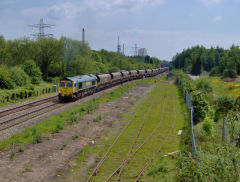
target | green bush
[
  {"x": 6, "y": 81},
  {"x": 33, "y": 71},
  {"x": 201, "y": 106},
  {"x": 19, "y": 77},
  {"x": 204, "y": 84},
  {"x": 223, "y": 105},
  {"x": 208, "y": 126},
  {"x": 221, "y": 165}
]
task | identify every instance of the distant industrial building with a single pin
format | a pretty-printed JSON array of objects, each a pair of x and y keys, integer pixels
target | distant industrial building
[{"x": 142, "y": 52}]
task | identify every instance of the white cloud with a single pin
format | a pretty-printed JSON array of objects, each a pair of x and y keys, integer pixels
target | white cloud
[
  {"x": 218, "y": 18},
  {"x": 99, "y": 7},
  {"x": 209, "y": 2}
]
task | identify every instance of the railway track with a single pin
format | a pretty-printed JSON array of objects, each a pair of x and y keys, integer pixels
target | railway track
[
  {"x": 141, "y": 139},
  {"x": 20, "y": 114},
  {"x": 140, "y": 173}
]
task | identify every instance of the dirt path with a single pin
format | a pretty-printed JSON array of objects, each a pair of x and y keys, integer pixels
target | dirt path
[{"x": 44, "y": 161}]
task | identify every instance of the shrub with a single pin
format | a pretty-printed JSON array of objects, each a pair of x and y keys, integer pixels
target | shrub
[
  {"x": 19, "y": 77},
  {"x": 221, "y": 165},
  {"x": 214, "y": 71},
  {"x": 204, "y": 84},
  {"x": 223, "y": 105},
  {"x": 33, "y": 71},
  {"x": 6, "y": 81},
  {"x": 208, "y": 126},
  {"x": 201, "y": 106}
]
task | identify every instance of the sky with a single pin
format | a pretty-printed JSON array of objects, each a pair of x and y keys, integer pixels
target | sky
[{"x": 163, "y": 27}]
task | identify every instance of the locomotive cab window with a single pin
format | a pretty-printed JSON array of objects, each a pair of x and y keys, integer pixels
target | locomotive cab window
[
  {"x": 69, "y": 85},
  {"x": 80, "y": 85},
  {"x": 93, "y": 82},
  {"x": 62, "y": 84}
]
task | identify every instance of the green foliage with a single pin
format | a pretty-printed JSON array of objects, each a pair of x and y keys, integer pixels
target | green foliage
[
  {"x": 33, "y": 71},
  {"x": 216, "y": 60},
  {"x": 204, "y": 84},
  {"x": 98, "y": 118},
  {"x": 214, "y": 72},
  {"x": 201, "y": 106},
  {"x": 28, "y": 170},
  {"x": 233, "y": 120},
  {"x": 6, "y": 81},
  {"x": 208, "y": 126},
  {"x": 223, "y": 105},
  {"x": 37, "y": 137},
  {"x": 20, "y": 149},
  {"x": 222, "y": 165},
  {"x": 19, "y": 77},
  {"x": 58, "y": 128}
]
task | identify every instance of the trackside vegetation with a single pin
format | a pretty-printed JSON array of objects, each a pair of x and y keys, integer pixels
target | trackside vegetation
[
  {"x": 218, "y": 150},
  {"x": 58, "y": 122}
]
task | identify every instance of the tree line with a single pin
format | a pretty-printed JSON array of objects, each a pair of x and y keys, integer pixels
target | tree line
[
  {"x": 49, "y": 58},
  {"x": 216, "y": 60}
]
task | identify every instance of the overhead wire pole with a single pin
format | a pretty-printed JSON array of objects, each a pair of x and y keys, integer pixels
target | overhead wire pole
[
  {"x": 135, "y": 50},
  {"x": 41, "y": 26}
]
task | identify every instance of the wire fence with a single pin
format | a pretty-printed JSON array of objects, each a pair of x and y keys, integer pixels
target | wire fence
[
  {"x": 225, "y": 131},
  {"x": 188, "y": 99}
]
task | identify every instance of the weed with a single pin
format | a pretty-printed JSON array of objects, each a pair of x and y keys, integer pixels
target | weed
[
  {"x": 62, "y": 176},
  {"x": 37, "y": 137},
  {"x": 98, "y": 118},
  {"x": 12, "y": 154},
  {"x": 63, "y": 146},
  {"x": 74, "y": 136},
  {"x": 73, "y": 119},
  {"x": 28, "y": 170},
  {"x": 20, "y": 149},
  {"x": 58, "y": 128}
]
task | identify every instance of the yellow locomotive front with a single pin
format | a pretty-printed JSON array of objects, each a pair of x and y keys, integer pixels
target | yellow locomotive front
[{"x": 66, "y": 89}]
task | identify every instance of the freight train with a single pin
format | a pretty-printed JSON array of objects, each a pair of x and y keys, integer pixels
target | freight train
[{"x": 72, "y": 88}]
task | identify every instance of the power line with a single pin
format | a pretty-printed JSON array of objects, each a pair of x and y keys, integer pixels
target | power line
[
  {"x": 41, "y": 26},
  {"x": 135, "y": 50}
]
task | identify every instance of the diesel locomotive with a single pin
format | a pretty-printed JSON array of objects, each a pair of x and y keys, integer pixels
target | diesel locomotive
[{"x": 71, "y": 88}]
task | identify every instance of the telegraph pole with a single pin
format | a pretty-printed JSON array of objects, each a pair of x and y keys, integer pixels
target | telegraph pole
[{"x": 41, "y": 26}]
